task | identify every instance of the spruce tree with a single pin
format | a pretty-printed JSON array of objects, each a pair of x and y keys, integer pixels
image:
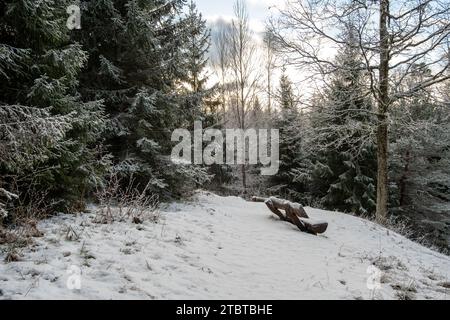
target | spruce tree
[
  {"x": 43, "y": 120},
  {"x": 137, "y": 64},
  {"x": 196, "y": 49},
  {"x": 420, "y": 149},
  {"x": 343, "y": 155},
  {"x": 420, "y": 159},
  {"x": 288, "y": 121}
]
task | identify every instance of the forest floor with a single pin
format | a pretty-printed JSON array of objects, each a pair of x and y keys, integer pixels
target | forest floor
[{"x": 222, "y": 248}]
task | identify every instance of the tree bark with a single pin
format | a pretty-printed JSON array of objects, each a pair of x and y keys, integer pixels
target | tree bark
[
  {"x": 403, "y": 180},
  {"x": 244, "y": 176},
  {"x": 269, "y": 81},
  {"x": 383, "y": 104}
]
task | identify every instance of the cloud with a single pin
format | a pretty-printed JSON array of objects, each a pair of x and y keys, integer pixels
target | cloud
[
  {"x": 267, "y": 3},
  {"x": 256, "y": 25}
]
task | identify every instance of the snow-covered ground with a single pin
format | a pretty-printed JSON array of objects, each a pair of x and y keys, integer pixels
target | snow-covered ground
[{"x": 222, "y": 248}]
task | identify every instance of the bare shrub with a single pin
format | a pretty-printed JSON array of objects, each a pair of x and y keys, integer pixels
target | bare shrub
[
  {"x": 405, "y": 291},
  {"x": 17, "y": 237},
  {"x": 12, "y": 255},
  {"x": 26, "y": 204},
  {"x": 400, "y": 226},
  {"x": 20, "y": 234},
  {"x": 130, "y": 203},
  {"x": 5, "y": 197},
  {"x": 403, "y": 227},
  {"x": 21, "y": 221}
]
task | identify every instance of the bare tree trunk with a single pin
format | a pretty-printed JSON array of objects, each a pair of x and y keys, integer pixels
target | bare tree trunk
[
  {"x": 221, "y": 62},
  {"x": 242, "y": 124},
  {"x": 244, "y": 176},
  {"x": 243, "y": 66},
  {"x": 383, "y": 103},
  {"x": 269, "y": 85},
  {"x": 223, "y": 98},
  {"x": 404, "y": 178},
  {"x": 268, "y": 40},
  {"x": 382, "y": 188}
]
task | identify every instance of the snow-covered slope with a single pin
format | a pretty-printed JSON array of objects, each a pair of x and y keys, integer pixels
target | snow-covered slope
[{"x": 224, "y": 248}]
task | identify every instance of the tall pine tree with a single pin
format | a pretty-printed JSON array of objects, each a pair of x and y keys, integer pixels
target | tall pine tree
[
  {"x": 42, "y": 117},
  {"x": 420, "y": 158},
  {"x": 288, "y": 121},
  {"x": 343, "y": 159},
  {"x": 197, "y": 45},
  {"x": 137, "y": 60}
]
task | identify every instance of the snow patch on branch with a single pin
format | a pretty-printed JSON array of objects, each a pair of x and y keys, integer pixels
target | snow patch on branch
[{"x": 9, "y": 195}]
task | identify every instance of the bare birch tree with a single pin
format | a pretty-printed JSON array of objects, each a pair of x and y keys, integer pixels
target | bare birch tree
[
  {"x": 221, "y": 61},
  {"x": 392, "y": 36},
  {"x": 244, "y": 69},
  {"x": 270, "y": 66}
]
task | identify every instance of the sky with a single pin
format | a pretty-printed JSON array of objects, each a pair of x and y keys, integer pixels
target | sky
[{"x": 258, "y": 10}]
